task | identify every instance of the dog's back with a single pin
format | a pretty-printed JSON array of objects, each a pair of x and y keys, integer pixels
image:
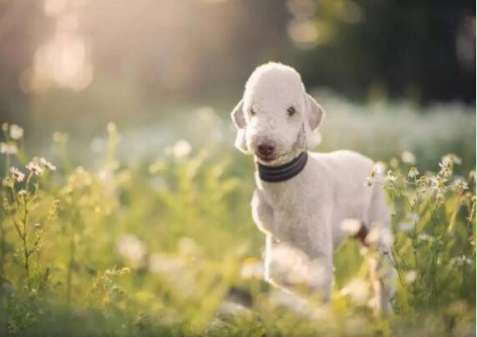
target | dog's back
[{"x": 345, "y": 175}]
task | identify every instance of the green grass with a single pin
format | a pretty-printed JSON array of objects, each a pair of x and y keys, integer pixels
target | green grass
[{"x": 129, "y": 245}]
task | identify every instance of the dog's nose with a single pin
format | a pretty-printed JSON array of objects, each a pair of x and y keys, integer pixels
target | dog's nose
[{"x": 266, "y": 149}]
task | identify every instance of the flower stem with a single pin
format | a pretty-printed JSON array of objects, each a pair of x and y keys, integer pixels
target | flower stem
[
  {"x": 69, "y": 275},
  {"x": 24, "y": 237}
]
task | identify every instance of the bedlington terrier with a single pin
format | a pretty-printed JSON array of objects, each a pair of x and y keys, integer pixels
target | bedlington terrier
[{"x": 302, "y": 199}]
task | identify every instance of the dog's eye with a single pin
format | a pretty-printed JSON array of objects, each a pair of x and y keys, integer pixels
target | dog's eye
[
  {"x": 291, "y": 111},
  {"x": 252, "y": 112}
]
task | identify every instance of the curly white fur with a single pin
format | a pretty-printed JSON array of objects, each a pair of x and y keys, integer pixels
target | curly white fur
[{"x": 302, "y": 217}]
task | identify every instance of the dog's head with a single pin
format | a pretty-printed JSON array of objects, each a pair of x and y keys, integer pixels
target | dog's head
[{"x": 276, "y": 118}]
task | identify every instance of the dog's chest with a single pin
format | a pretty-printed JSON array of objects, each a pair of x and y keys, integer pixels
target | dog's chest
[{"x": 290, "y": 214}]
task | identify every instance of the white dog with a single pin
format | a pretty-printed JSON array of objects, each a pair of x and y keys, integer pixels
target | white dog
[{"x": 302, "y": 198}]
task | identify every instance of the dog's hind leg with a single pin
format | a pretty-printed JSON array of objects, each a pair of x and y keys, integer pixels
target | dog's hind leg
[
  {"x": 382, "y": 275},
  {"x": 380, "y": 262}
]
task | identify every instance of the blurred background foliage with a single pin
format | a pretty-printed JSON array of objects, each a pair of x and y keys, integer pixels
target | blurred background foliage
[
  {"x": 111, "y": 59},
  {"x": 407, "y": 68}
]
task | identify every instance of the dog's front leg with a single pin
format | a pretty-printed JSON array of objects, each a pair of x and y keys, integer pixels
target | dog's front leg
[
  {"x": 318, "y": 245},
  {"x": 262, "y": 213}
]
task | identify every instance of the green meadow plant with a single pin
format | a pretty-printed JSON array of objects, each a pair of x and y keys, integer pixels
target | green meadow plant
[{"x": 167, "y": 248}]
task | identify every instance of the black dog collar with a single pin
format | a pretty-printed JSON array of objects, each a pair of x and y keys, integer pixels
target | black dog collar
[{"x": 283, "y": 172}]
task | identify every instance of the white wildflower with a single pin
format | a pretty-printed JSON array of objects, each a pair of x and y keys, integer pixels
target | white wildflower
[
  {"x": 111, "y": 127},
  {"x": 447, "y": 163},
  {"x": 35, "y": 167},
  {"x": 165, "y": 264},
  {"x": 424, "y": 237},
  {"x": 379, "y": 236},
  {"x": 394, "y": 163},
  {"x": 292, "y": 266},
  {"x": 452, "y": 158},
  {"x": 357, "y": 290},
  {"x": 437, "y": 183},
  {"x": 379, "y": 167},
  {"x": 181, "y": 149},
  {"x": 16, "y": 174},
  {"x": 460, "y": 184},
  {"x": 350, "y": 226},
  {"x": 60, "y": 137},
  {"x": 413, "y": 172},
  {"x": 373, "y": 236},
  {"x": 8, "y": 148},
  {"x": 410, "y": 276},
  {"x": 461, "y": 260},
  {"x": 16, "y": 132},
  {"x": 446, "y": 166},
  {"x": 376, "y": 171},
  {"x": 46, "y": 164},
  {"x": 132, "y": 249},
  {"x": 390, "y": 178},
  {"x": 408, "y": 157}
]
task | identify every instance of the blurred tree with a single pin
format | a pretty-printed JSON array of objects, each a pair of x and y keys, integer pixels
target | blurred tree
[
  {"x": 124, "y": 56},
  {"x": 185, "y": 48},
  {"x": 22, "y": 26},
  {"x": 419, "y": 49}
]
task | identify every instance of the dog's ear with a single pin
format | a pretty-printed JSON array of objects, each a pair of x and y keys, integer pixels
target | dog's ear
[
  {"x": 240, "y": 123},
  {"x": 238, "y": 116},
  {"x": 315, "y": 114}
]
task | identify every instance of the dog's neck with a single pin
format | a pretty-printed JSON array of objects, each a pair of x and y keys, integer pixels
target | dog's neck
[{"x": 284, "y": 172}]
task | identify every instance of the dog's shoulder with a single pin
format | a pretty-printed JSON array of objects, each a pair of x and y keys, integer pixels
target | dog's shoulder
[
  {"x": 343, "y": 166},
  {"x": 347, "y": 157}
]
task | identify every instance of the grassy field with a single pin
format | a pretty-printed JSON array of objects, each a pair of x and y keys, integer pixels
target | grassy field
[{"x": 143, "y": 233}]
